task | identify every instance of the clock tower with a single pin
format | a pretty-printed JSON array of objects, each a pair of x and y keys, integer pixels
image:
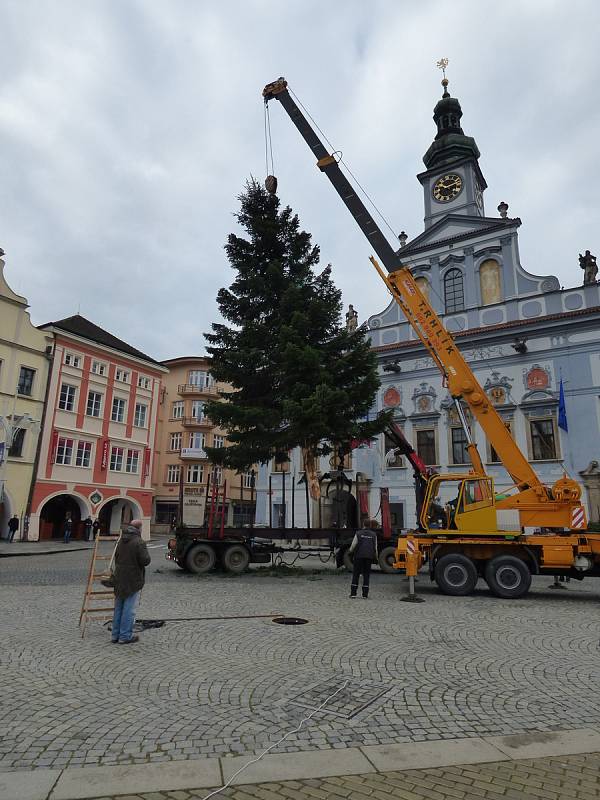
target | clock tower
[{"x": 453, "y": 182}]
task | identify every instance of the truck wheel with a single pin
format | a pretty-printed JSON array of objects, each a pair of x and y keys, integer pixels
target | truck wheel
[
  {"x": 387, "y": 559},
  {"x": 455, "y": 574},
  {"x": 181, "y": 564},
  {"x": 236, "y": 558},
  {"x": 508, "y": 577},
  {"x": 200, "y": 559},
  {"x": 348, "y": 561}
]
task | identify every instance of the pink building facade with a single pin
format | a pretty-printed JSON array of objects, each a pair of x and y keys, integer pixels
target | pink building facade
[{"x": 99, "y": 434}]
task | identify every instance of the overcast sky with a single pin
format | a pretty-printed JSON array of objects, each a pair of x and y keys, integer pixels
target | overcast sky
[{"x": 129, "y": 127}]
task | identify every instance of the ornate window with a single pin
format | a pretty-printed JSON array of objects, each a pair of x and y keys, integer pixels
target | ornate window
[
  {"x": 490, "y": 282},
  {"x": 426, "y": 446},
  {"x": 423, "y": 285},
  {"x": 543, "y": 439},
  {"x": 454, "y": 295},
  {"x": 459, "y": 446}
]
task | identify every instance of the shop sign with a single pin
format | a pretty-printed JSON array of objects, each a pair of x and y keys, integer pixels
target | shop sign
[{"x": 104, "y": 462}]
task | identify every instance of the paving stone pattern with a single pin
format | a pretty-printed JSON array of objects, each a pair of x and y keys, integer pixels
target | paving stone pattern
[
  {"x": 563, "y": 778},
  {"x": 448, "y": 668}
]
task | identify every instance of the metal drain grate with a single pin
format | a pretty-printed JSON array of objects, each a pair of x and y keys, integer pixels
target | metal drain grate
[{"x": 352, "y": 699}]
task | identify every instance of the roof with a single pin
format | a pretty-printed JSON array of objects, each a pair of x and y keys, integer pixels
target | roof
[
  {"x": 80, "y": 326},
  {"x": 181, "y": 359},
  {"x": 518, "y": 323}
]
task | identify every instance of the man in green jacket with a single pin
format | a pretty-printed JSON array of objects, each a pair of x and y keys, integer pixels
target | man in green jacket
[{"x": 131, "y": 558}]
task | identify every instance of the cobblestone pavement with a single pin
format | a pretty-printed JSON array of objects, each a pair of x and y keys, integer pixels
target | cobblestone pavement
[
  {"x": 447, "y": 668},
  {"x": 563, "y": 778}
]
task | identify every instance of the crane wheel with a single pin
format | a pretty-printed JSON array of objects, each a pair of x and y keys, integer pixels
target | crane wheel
[
  {"x": 455, "y": 574},
  {"x": 236, "y": 558},
  {"x": 508, "y": 577},
  {"x": 387, "y": 559},
  {"x": 200, "y": 558}
]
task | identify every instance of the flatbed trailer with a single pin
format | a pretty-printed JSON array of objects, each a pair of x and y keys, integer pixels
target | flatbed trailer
[
  {"x": 199, "y": 550},
  {"x": 506, "y": 563}
]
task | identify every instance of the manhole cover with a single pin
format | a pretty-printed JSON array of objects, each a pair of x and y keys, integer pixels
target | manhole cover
[
  {"x": 290, "y": 620},
  {"x": 350, "y": 701}
]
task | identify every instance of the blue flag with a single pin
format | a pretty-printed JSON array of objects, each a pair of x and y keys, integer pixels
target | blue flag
[{"x": 562, "y": 409}]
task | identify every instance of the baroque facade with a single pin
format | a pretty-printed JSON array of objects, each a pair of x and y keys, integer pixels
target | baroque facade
[{"x": 520, "y": 332}]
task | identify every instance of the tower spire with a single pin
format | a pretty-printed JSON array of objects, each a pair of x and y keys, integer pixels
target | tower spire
[
  {"x": 442, "y": 64},
  {"x": 450, "y": 143}
]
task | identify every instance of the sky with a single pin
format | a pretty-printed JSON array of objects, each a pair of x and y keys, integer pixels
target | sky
[{"x": 128, "y": 129}]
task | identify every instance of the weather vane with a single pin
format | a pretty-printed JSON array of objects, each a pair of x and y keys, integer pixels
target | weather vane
[{"x": 442, "y": 64}]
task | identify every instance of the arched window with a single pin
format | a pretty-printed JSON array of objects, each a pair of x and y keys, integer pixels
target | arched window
[
  {"x": 423, "y": 285},
  {"x": 489, "y": 282},
  {"x": 454, "y": 295}
]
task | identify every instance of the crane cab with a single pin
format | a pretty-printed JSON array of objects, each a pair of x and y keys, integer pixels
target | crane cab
[{"x": 470, "y": 506}]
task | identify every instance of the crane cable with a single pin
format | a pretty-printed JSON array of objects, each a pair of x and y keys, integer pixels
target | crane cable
[
  {"x": 341, "y": 161},
  {"x": 268, "y": 143}
]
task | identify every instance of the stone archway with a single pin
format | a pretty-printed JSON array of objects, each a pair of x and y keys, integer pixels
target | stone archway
[
  {"x": 55, "y": 511},
  {"x": 116, "y": 513}
]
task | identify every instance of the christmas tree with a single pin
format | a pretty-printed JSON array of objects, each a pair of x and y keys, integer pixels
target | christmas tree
[{"x": 299, "y": 377}]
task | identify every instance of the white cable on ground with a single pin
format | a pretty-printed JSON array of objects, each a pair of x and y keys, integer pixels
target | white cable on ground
[{"x": 271, "y": 747}]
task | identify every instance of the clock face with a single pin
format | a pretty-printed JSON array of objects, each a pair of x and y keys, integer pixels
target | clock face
[{"x": 447, "y": 187}]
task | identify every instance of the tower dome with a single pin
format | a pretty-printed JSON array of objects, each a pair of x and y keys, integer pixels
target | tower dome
[{"x": 450, "y": 143}]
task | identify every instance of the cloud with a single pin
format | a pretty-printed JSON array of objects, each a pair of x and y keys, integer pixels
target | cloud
[{"x": 127, "y": 130}]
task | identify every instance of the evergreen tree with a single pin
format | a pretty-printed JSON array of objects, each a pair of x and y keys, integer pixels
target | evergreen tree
[{"x": 299, "y": 377}]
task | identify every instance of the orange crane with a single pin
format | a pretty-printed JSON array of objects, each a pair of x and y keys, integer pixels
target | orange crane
[{"x": 471, "y": 544}]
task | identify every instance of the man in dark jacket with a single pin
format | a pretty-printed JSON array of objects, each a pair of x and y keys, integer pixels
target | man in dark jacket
[
  {"x": 13, "y": 527},
  {"x": 131, "y": 558},
  {"x": 364, "y": 547}
]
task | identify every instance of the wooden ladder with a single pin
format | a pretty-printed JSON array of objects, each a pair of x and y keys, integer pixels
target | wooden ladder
[{"x": 98, "y": 571}]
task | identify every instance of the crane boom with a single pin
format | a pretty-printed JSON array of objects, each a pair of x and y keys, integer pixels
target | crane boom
[
  {"x": 536, "y": 502},
  {"x": 328, "y": 164}
]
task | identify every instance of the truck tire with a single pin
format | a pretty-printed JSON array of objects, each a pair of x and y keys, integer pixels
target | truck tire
[
  {"x": 387, "y": 559},
  {"x": 181, "y": 564},
  {"x": 200, "y": 559},
  {"x": 455, "y": 574},
  {"x": 236, "y": 558},
  {"x": 508, "y": 577},
  {"x": 348, "y": 561}
]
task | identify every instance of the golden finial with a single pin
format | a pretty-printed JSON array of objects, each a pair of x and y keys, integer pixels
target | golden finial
[{"x": 442, "y": 64}]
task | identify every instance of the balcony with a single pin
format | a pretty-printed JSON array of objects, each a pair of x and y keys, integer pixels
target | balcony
[
  {"x": 193, "y": 453},
  {"x": 191, "y": 389},
  {"x": 196, "y": 422}
]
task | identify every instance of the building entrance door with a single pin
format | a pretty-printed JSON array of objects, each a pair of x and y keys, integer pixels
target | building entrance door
[{"x": 54, "y": 514}]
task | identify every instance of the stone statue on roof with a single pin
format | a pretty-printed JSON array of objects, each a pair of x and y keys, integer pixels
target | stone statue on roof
[
  {"x": 351, "y": 318},
  {"x": 588, "y": 264}
]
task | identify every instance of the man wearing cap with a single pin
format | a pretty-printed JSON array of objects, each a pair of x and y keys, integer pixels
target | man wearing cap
[{"x": 131, "y": 559}]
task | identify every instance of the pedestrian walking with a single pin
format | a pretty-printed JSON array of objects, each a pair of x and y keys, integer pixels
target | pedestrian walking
[
  {"x": 87, "y": 527},
  {"x": 96, "y": 528},
  {"x": 68, "y": 529},
  {"x": 364, "y": 547},
  {"x": 13, "y": 527},
  {"x": 129, "y": 575}
]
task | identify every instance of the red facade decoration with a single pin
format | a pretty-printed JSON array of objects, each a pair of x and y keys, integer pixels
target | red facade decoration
[
  {"x": 391, "y": 398},
  {"x": 537, "y": 378}
]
